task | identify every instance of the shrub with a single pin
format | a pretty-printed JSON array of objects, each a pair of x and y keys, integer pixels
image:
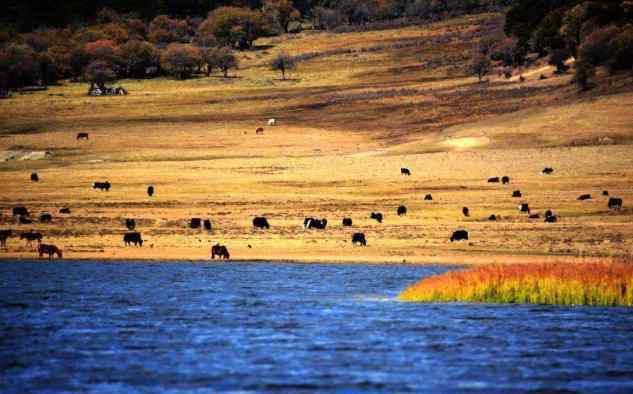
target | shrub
[
  {"x": 180, "y": 60},
  {"x": 283, "y": 62}
]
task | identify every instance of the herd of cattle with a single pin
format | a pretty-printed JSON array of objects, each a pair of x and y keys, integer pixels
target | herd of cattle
[{"x": 261, "y": 223}]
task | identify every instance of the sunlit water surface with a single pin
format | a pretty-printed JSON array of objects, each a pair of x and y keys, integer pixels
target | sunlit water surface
[{"x": 187, "y": 327}]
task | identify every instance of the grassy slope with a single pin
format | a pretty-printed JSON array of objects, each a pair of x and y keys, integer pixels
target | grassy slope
[{"x": 347, "y": 123}]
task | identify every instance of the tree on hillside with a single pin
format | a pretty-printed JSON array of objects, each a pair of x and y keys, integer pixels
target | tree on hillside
[
  {"x": 558, "y": 58},
  {"x": 99, "y": 73},
  {"x": 283, "y": 62},
  {"x": 136, "y": 56},
  {"x": 180, "y": 60},
  {"x": 225, "y": 60},
  {"x": 480, "y": 66},
  {"x": 164, "y": 30},
  {"x": 234, "y": 26},
  {"x": 283, "y": 11}
]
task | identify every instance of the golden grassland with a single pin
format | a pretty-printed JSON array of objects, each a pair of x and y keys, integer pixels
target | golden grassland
[
  {"x": 347, "y": 123},
  {"x": 597, "y": 284}
]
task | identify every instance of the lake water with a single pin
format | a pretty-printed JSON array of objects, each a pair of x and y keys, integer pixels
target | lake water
[{"x": 288, "y": 328}]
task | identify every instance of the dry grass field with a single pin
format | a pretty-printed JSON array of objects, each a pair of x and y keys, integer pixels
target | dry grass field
[{"x": 347, "y": 122}]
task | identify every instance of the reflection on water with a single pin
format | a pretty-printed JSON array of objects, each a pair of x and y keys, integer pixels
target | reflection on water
[{"x": 176, "y": 327}]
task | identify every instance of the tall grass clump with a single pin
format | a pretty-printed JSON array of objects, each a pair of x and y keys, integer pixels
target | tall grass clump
[{"x": 598, "y": 284}]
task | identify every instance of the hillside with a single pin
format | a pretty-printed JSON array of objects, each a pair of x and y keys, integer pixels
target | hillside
[{"x": 360, "y": 107}]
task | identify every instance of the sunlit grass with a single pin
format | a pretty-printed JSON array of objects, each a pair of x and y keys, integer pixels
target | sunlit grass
[{"x": 598, "y": 284}]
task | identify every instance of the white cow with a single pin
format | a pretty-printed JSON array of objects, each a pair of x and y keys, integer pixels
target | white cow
[{"x": 272, "y": 122}]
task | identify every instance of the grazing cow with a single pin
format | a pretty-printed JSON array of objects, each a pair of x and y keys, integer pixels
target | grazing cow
[
  {"x": 459, "y": 235},
  {"x": 548, "y": 171},
  {"x": 524, "y": 208},
  {"x": 312, "y": 223},
  {"x": 102, "y": 186},
  {"x": 259, "y": 131},
  {"x": 505, "y": 180},
  {"x": 82, "y": 136},
  {"x": 493, "y": 180},
  {"x": 261, "y": 222},
  {"x": 130, "y": 224},
  {"x": 24, "y": 220},
  {"x": 402, "y": 210},
  {"x": 207, "y": 225},
  {"x": 150, "y": 191},
  {"x": 50, "y": 250},
  {"x": 46, "y": 218},
  {"x": 428, "y": 197},
  {"x": 466, "y": 211},
  {"x": 551, "y": 219},
  {"x": 133, "y": 238},
  {"x": 615, "y": 203},
  {"x": 534, "y": 216},
  {"x": 31, "y": 236},
  {"x": 272, "y": 122},
  {"x": 359, "y": 238},
  {"x": 347, "y": 222},
  {"x": 405, "y": 171},
  {"x": 517, "y": 194},
  {"x": 65, "y": 210},
  {"x": 492, "y": 218},
  {"x": 605, "y": 193},
  {"x": 377, "y": 216},
  {"x": 4, "y": 235},
  {"x": 195, "y": 223},
  {"x": 584, "y": 197},
  {"x": 35, "y": 177},
  {"x": 20, "y": 211},
  {"x": 221, "y": 251}
]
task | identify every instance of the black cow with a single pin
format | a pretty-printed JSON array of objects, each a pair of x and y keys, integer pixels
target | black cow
[
  {"x": 492, "y": 218},
  {"x": 605, "y": 193},
  {"x": 524, "y": 208},
  {"x": 221, "y": 251},
  {"x": 405, "y": 171},
  {"x": 102, "y": 186},
  {"x": 82, "y": 136},
  {"x": 615, "y": 203},
  {"x": 493, "y": 180},
  {"x": 549, "y": 213},
  {"x": 584, "y": 197},
  {"x": 195, "y": 223},
  {"x": 312, "y": 223},
  {"x": 65, "y": 210},
  {"x": 50, "y": 250},
  {"x": 459, "y": 235},
  {"x": 466, "y": 211},
  {"x": 130, "y": 224},
  {"x": 377, "y": 216},
  {"x": 4, "y": 235},
  {"x": 207, "y": 225},
  {"x": 548, "y": 171},
  {"x": 505, "y": 180},
  {"x": 551, "y": 219},
  {"x": 347, "y": 222},
  {"x": 517, "y": 194},
  {"x": 261, "y": 222},
  {"x": 259, "y": 131},
  {"x": 24, "y": 220},
  {"x": 150, "y": 191},
  {"x": 35, "y": 177},
  {"x": 31, "y": 236},
  {"x": 359, "y": 238},
  {"x": 133, "y": 238},
  {"x": 402, "y": 210},
  {"x": 20, "y": 211},
  {"x": 428, "y": 197},
  {"x": 46, "y": 218}
]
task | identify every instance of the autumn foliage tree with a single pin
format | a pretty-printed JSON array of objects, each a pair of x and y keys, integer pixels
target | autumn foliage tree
[
  {"x": 180, "y": 60},
  {"x": 165, "y": 30},
  {"x": 99, "y": 72},
  {"x": 234, "y": 26},
  {"x": 282, "y": 11}
]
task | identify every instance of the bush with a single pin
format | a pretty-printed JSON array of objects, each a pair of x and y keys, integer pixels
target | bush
[{"x": 180, "y": 60}]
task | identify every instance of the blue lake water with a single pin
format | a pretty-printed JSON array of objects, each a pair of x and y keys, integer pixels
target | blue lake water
[{"x": 288, "y": 328}]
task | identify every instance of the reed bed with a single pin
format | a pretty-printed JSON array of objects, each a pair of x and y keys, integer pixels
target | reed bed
[{"x": 587, "y": 283}]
